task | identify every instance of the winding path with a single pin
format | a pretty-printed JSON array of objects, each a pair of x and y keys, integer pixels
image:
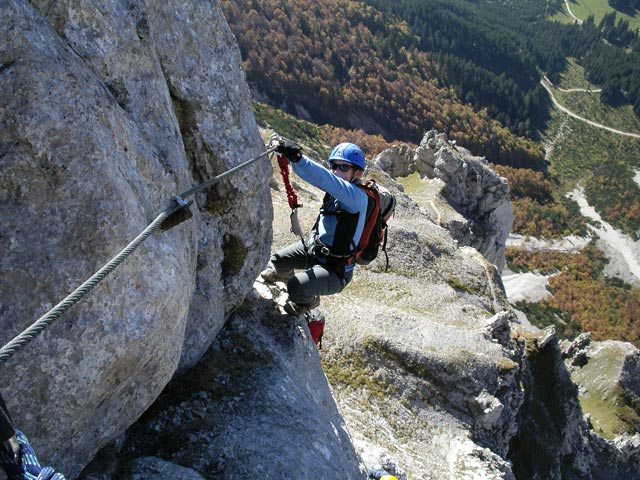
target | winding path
[
  {"x": 546, "y": 85},
  {"x": 566, "y": 2},
  {"x": 590, "y": 90}
]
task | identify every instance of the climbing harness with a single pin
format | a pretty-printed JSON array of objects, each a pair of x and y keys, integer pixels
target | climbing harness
[
  {"x": 380, "y": 207},
  {"x": 292, "y": 198},
  {"x": 175, "y": 213}
]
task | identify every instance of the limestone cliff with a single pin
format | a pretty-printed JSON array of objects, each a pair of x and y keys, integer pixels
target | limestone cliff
[
  {"x": 608, "y": 377},
  {"x": 108, "y": 110}
]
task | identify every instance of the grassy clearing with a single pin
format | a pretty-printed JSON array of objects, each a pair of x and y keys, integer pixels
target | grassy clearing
[
  {"x": 611, "y": 408},
  {"x": 421, "y": 190},
  {"x": 588, "y": 104},
  {"x": 598, "y": 8},
  {"x": 562, "y": 16},
  {"x": 583, "y": 8},
  {"x": 574, "y": 77},
  {"x": 585, "y": 148},
  {"x": 610, "y": 416},
  {"x": 305, "y": 133}
]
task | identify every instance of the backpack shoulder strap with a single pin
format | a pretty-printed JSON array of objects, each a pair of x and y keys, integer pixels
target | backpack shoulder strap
[
  {"x": 373, "y": 210},
  {"x": 368, "y": 185}
]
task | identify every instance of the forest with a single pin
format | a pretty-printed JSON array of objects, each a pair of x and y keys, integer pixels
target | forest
[
  {"x": 486, "y": 54},
  {"x": 494, "y": 57},
  {"x": 400, "y": 68},
  {"x": 347, "y": 64},
  {"x": 583, "y": 299},
  {"x": 625, "y": 4},
  {"x": 537, "y": 212}
]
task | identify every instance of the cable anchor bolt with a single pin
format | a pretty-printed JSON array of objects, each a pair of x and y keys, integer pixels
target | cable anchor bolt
[{"x": 180, "y": 213}]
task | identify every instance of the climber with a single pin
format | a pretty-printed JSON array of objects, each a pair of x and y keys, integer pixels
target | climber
[
  {"x": 380, "y": 475},
  {"x": 7, "y": 432},
  {"x": 326, "y": 258},
  {"x": 17, "y": 458}
]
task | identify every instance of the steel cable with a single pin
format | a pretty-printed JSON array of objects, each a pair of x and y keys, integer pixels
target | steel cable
[{"x": 52, "y": 315}]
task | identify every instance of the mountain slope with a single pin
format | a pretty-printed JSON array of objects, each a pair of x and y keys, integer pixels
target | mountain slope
[{"x": 432, "y": 376}]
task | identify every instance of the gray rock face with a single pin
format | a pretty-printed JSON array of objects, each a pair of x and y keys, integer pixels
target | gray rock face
[
  {"x": 152, "y": 467},
  {"x": 552, "y": 439},
  {"x": 257, "y": 406},
  {"x": 470, "y": 186},
  {"x": 555, "y": 438},
  {"x": 114, "y": 108}
]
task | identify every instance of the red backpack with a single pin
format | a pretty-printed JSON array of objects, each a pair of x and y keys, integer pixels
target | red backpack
[{"x": 380, "y": 208}]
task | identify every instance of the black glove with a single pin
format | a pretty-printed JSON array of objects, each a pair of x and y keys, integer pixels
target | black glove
[{"x": 286, "y": 147}]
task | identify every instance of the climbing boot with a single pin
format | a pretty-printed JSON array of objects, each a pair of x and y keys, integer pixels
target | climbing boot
[
  {"x": 301, "y": 308},
  {"x": 315, "y": 321},
  {"x": 271, "y": 275}
]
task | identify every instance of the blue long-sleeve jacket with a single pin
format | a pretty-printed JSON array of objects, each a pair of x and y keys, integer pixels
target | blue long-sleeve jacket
[{"x": 346, "y": 196}]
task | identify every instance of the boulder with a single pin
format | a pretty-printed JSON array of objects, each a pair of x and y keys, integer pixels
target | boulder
[
  {"x": 258, "y": 405},
  {"x": 114, "y": 109}
]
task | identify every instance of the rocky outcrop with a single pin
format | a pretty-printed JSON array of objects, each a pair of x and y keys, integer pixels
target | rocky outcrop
[
  {"x": 418, "y": 358},
  {"x": 114, "y": 107},
  {"x": 476, "y": 193},
  {"x": 608, "y": 377},
  {"x": 257, "y": 406},
  {"x": 555, "y": 438}
]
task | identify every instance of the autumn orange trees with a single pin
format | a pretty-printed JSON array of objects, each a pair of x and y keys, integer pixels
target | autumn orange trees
[
  {"x": 536, "y": 211},
  {"x": 582, "y": 297},
  {"x": 345, "y": 63},
  {"x": 616, "y": 196}
]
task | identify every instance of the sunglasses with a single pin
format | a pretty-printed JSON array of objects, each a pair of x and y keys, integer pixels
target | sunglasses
[{"x": 343, "y": 167}]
